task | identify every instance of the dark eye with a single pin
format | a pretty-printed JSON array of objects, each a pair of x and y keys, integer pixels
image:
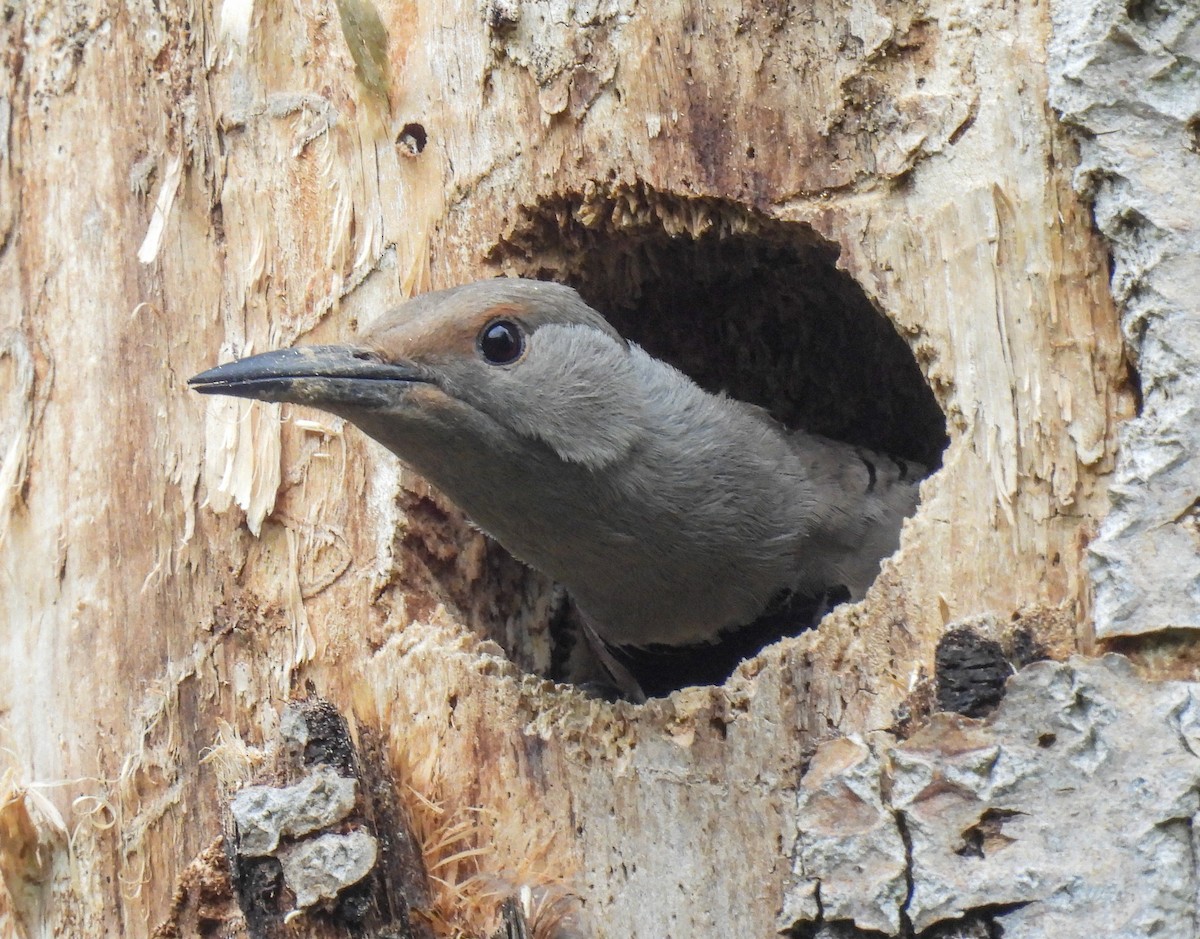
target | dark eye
[{"x": 501, "y": 342}]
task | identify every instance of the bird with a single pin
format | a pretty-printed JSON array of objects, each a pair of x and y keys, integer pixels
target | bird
[{"x": 676, "y": 519}]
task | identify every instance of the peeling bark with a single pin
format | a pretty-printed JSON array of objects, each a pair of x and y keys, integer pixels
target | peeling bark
[
  {"x": 1013, "y": 816},
  {"x": 864, "y": 216}
]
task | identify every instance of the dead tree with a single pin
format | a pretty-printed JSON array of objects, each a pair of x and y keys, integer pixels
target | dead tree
[{"x": 258, "y": 679}]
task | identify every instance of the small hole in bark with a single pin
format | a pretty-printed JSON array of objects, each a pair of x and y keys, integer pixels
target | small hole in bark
[
  {"x": 745, "y": 305},
  {"x": 1045, "y": 741},
  {"x": 412, "y": 139},
  {"x": 987, "y": 836},
  {"x": 1150, "y": 12}
]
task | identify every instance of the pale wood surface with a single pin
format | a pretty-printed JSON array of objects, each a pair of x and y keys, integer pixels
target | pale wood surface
[{"x": 177, "y": 188}]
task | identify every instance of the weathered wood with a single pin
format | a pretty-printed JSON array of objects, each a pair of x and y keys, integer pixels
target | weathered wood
[{"x": 747, "y": 188}]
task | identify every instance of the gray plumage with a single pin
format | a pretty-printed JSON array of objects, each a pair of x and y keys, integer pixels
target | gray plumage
[{"x": 669, "y": 514}]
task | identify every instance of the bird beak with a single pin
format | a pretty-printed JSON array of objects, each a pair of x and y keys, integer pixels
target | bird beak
[{"x": 330, "y": 377}]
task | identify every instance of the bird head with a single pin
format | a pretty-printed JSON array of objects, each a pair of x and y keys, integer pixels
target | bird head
[{"x": 497, "y": 364}]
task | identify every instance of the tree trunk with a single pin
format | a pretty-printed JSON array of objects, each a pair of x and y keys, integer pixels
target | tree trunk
[{"x": 866, "y": 217}]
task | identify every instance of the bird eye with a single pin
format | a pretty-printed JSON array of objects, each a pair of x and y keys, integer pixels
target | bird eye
[{"x": 501, "y": 342}]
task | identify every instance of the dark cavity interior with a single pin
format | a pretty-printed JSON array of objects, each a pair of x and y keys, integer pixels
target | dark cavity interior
[{"x": 743, "y": 304}]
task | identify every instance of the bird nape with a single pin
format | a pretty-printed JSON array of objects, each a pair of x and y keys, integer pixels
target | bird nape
[{"x": 677, "y": 520}]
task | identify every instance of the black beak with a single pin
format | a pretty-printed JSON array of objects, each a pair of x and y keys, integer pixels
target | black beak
[{"x": 321, "y": 376}]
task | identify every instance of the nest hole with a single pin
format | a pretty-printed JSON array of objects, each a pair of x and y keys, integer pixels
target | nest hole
[{"x": 744, "y": 304}]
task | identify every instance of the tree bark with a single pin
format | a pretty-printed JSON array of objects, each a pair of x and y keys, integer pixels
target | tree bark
[{"x": 865, "y": 216}]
